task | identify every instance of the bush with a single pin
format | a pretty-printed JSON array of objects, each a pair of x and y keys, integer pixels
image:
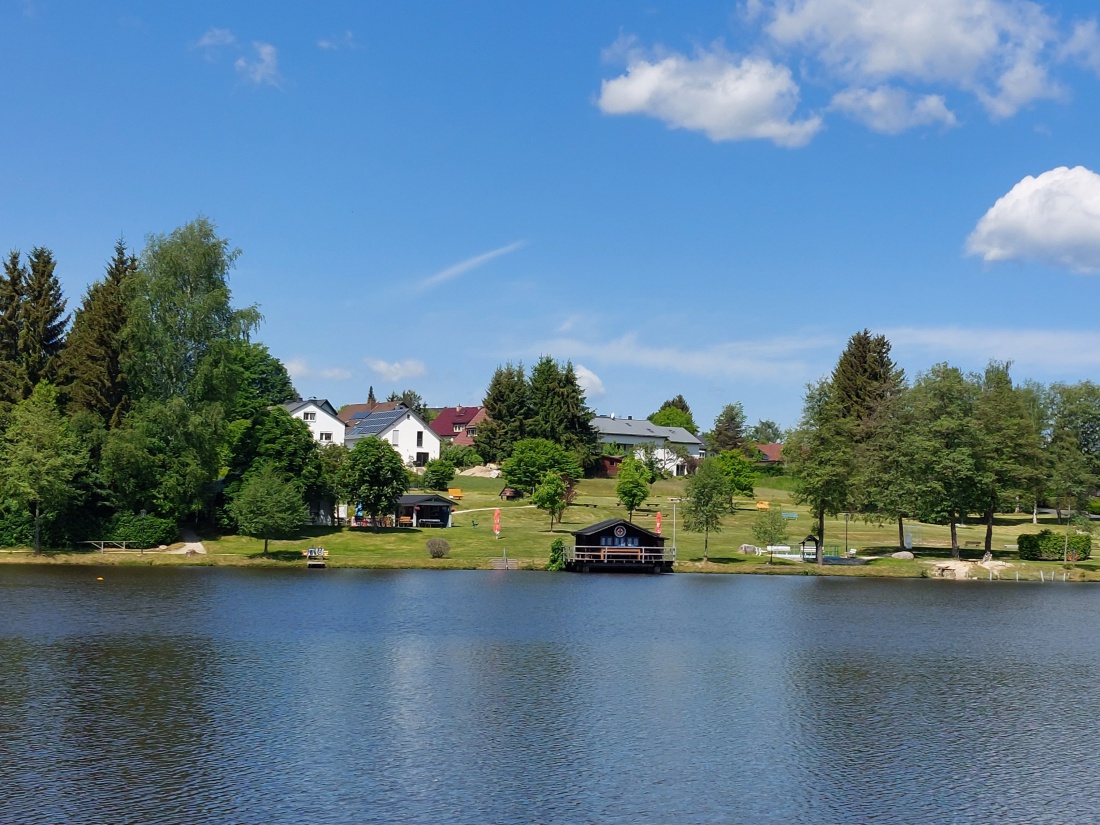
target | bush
[
  {"x": 460, "y": 455},
  {"x": 1094, "y": 506},
  {"x": 557, "y": 555},
  {"x": 438, "y": 548},
  {"x": 1048, "y": 546},
  {"x": 144, "y": 531},
  {"x": 438, "y": 473}
]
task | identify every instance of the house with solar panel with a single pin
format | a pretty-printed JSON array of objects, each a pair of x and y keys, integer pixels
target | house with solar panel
[
  {"x": 401, "y": 428},
  {"x": 321, "y": 416}
]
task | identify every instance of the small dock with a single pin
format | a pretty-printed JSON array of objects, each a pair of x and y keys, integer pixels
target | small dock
[{"x": 315, "y": 557}]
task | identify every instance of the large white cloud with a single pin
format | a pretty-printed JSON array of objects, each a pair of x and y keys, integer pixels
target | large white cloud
[
  {"x": 998, "y": 50},
  {"x": 713, "y": 93},
  {"x": 589, "y": 382},
  {"x": 891, "y": 110},
  {"x": 1053, "y": 218}
]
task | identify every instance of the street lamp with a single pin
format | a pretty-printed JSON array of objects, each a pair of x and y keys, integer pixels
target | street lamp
[{"x": 847, "y": 518}]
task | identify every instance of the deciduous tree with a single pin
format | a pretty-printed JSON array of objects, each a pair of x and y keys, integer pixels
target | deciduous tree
[
  {"x": 533, "y": 458},
  {"x": 549, "y": 496},
  {"x": 708, "y": 499},
  {"x": 269, "y": 506},
  {"x": 376, "y": 477},
  {"x": 632, "y": 484}
]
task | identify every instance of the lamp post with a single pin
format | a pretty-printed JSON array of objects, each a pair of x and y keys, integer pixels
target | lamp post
[
  {"x": 142, "y": 514},
  {"x": 847, "y": 518}
]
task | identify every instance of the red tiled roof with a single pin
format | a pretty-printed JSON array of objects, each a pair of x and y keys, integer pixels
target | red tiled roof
[
  {"x": 772, "y": 453},
  {"x": 443, "y": 424}
]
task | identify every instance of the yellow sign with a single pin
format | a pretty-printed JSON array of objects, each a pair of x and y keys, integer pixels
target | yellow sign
[{"x": 763, "y": 505}]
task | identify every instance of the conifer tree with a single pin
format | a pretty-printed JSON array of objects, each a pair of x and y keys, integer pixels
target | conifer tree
[
  {"x": 370, "y": 396},
  {"x": 508, "y": 404},
  {"x": 12, "y": 289},
  {"x": 42, "y": 321},
  {"x": 558, "y": 409},
  {"x": 91, "y": 362},
  {"x": 729, "y": 429}
]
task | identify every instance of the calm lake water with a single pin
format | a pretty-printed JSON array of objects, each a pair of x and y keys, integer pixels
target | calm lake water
[{"x": 347, "y": 696}]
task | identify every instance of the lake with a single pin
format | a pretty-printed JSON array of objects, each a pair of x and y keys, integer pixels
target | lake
[{"x": 206, "y": 695}]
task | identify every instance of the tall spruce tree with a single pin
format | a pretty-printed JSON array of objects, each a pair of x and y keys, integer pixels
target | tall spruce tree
[
  {"x": 728, "y": 432},
  {"x": 508, "y": 404},
  {"x": 559, "y": 411},
  {"x": 90, "y": 369},
  {"x": 13, "y": 286},
  {"x": 42, "y": 321}
]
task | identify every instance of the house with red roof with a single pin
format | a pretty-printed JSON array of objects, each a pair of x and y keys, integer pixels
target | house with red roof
[{"x": 458, "y": 424}]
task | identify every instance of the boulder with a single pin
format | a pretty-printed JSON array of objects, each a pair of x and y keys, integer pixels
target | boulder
[{"x": 902, "y": 554}]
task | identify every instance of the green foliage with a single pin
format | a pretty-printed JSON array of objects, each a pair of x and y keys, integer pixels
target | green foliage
[
  {"x": 674, "y": 417},
  {"x": 740, "y": 473},
  {"x": 375, "y": 477},
  {"x": 413, "y": 401},
  {"x": 728, "y": 432},
  {"x": 181, "y": 311},
  {"x": 12, "y": 289},
  {"x": 708, "y": 499},
  {"x": 769, "y": 528},
  {"x": 632, "y": 484},
  {"x": 438, "y": 548},
  {"x": 508, "y": 405},
  {"x": 557, "y": 555},
  {"x": 42, "y": 321},
  {"x": 90, "y": 370},
  {"x": 438, "y": 474},
  {"x": 460, "y": 455},
  {"x": 558, "y": 410},
  {"x": 1049, "y": 546},
  {"x": 1094, "y": 506},
  {"x": 764, "y": 432},
  {"x": 269, "y": 506},
  {"x": 39, "y": 456},
  {"x": 549, "y": 496},
  {"x": 274, "y": 437},
  {"x": 142, "y": 531},
  {"x": 532, "y": 459}
]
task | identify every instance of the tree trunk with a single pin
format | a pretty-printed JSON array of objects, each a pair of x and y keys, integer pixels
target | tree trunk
[
  {"x": 901, "y": 532},
  {"x": 1035, "y": 513},
  {"x": 37, "y": 531},
  {"x": 821, "y": 536},
  {"x": 989, "y": 529},
  {"x": 265, "y": 545},
  {"x": 954, "y": 536},
  {"x": 706, "y": 541},
  {"x": 630, "y": 515}
]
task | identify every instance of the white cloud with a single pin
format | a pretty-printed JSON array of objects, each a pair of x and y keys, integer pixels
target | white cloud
[
  {"x": 996, "y": 49},
  {"x": 1037, "y": 349},
  {"x": 462, "y": 267},
  {"x": 333, "y": 44},
  {"x": 336, "y": 373},
  {"x": 1053, "y": 219},
  {"x": 264, "y": 68},
  {"x": 891, "y": 110},
  {"x": 397, "y": 370},
  {"x": 297, "y": 368},
  {"x": 757, "y": 359},
  {"x": 213, "y": 38},
  {"x": 590, "y": 382},
  {"x": 713, "y": 93},
  {"x": 1083, "y": 45}
]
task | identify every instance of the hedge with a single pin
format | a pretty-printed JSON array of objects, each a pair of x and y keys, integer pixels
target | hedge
[
  {"x": 144, "y": 531},
  {"x": 1048, "y": 546}
]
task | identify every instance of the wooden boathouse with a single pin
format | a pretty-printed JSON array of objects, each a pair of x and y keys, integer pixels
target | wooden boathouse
[{"x": 617, "y": 544}]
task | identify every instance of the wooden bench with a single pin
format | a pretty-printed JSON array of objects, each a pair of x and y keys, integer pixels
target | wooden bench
[
  {"x": 455, "y": 493},
  {"x": 972, "y": 544},
  {"x": 404, "y": 521},
  {"x": 636, "y": 552}
]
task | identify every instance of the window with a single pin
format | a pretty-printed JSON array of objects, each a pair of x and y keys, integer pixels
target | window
[
  {"x": 325, "y": 437},
  {"x": 419, "y": 438},
  {"x": 309, "y": 416},
  {"x": 394, "y": 437},
  {"x": 459, "y": 427},
  {"x": 471, "y": 431}
]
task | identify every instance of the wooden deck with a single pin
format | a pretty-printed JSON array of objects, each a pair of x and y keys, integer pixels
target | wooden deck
[{"x": 585, "y": 558}]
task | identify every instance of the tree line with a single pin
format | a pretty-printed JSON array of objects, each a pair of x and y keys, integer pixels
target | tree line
[{"x": 943, "y": 448}]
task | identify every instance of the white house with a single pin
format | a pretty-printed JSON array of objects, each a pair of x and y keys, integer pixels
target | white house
[
  {"x": 320, "y": 415},
  {"x": 405, "y": 431},
  {"x": 672, "y": 446}
]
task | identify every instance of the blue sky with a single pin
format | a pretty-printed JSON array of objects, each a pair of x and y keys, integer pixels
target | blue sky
[{"x": 704, "y": 198}]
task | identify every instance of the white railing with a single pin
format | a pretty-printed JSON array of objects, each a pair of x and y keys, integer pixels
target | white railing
[{"x": 600, "y": 553}]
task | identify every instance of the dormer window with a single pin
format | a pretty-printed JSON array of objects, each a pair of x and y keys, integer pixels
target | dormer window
[{"x": 459, "y": 427}]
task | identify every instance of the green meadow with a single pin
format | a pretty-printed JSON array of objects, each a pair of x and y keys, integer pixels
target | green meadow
[{"x": 525, "y": 536}]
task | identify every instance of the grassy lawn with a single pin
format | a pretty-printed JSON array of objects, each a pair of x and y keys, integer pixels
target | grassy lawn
[{"x": 525, "y": 536}]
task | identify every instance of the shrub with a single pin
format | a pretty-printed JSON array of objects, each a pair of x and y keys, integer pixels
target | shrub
[
  {"x": 438, "y": 548},
  {"x": 557, "y": 555},
  {"x": 438, "y": 473},
  {"x": 1048, "y": 546},
  {"x": 1094, "y": 506},
  {"x": 460, "y": 455},
  {"x": 145, "y": 531}
]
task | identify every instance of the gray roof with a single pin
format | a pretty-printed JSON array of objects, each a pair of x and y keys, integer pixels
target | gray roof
[
  {"x": 640, "y": 428},
  {"x": 320, "y": 403}
]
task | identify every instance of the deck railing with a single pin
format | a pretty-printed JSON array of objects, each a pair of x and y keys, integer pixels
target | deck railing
[{"x": 639, "y": 555}]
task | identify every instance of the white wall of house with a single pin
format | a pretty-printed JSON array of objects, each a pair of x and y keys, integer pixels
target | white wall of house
[
  {"x": 326, "y": 428},
  {"x": 413, "y": 440}
]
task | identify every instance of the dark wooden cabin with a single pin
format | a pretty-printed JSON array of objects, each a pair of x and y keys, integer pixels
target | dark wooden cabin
[
  {"x": 617, "y": 544},
  {"x": 424, "y": 510}
]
